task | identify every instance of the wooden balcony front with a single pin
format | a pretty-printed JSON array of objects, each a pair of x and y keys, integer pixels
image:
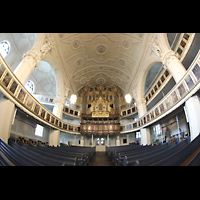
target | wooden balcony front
[{"x": 100, "y": 126}]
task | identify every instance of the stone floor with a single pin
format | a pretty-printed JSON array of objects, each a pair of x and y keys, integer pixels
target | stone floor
[{"x": 100, "y": 159}]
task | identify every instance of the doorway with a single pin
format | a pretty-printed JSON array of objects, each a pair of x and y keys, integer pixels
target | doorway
[{"x": 100, "y": 144}]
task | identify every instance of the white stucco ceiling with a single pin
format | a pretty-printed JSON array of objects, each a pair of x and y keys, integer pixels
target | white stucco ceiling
[
  {"x": 43, "y": 77},
  {"x": 100, "y": 58},
  {"x": 87, "y": 59}
]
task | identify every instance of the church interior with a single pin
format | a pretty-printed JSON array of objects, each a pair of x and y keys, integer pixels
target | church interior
[{"x": 99, "y": 99}]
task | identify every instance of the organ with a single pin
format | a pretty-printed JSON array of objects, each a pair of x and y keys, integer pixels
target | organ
[{"x": 100, "y": 110}]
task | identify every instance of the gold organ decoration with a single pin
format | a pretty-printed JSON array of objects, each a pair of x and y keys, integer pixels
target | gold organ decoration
[
  {"x": 100, "y": 110},
  {"x": 101, "y": 100}
]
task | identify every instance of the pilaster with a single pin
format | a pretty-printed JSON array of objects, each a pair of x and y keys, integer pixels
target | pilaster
[
  {"x": 174, "y": 65},
  {"x": 192, "y": 106},
  {"x": 54, "y": 136},
  {"x": 118, "y": 141},
  {"x": 7, "y": 109},
  {"x": 82, "y": 140}
]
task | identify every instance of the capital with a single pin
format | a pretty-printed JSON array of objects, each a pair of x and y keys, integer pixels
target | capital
[
  {"x": 140, "y": 102},
  {"x": 60, "y": 101},
  {"x": 156, "y": 49},
  {"x": 45, "y": 48},
  {"x": 33, "y": 57},
  {"x": 169, "y": 57}
]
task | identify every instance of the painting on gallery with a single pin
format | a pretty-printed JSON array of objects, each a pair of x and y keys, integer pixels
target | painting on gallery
[
  {"x": 181, "y": 90},
  {"x": 196, "y": 71},
  {"x": 189, "y": 81},
  {"x": 174, "y": 97}
]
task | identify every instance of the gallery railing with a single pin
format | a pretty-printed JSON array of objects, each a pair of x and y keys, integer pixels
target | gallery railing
[
  {"x": 181, "y": 50},
  {"x": 70, "y": 111},
  {"x": 45, "y": 100},
  {"x": 184, "y": 44},
  {"x": 14, "y": 90},
  {"x": 130, "y": 111},
  {"x": 100, "y": 125},
  {"x": 159, "y": 84},
  {"x": 184, "y": 89},
  {"x": 52, "y": 100}
]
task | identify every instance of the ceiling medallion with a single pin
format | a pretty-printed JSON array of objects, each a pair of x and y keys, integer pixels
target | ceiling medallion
[
  {"x": 118, "y": 80},
  {"x": 122, "y": 62},
  {"x": 101, "y": 49},
  {"x": 101, "y": 68},
  {"x": 83, "y": 80},
  {"x": 100, "y": 81},
  {"x": 126, "y": 44},
  {"x": 61, "y": 35},
  {"x": 76, "y": 44},
  {"x": 79, "y": 62}
]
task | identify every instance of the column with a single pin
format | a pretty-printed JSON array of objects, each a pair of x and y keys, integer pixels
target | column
[
  {"x": 145, "y": 132},
  {"x": 142, "y": 109},
  {"x": 27, "y": 65},
  {"x": 82, "y": 140},
  {"x": 54, "y": 136},
  {"x": 92, "y": 139},
  {"x": 173, "y": 64},
  {"x": 127, "y": 138},
  {"x": 118, "y": 141},
  {"x": 145, "y": 136},
  {"x": 169, "y": 59},
  {"x": 7, "y": 109},
  {"x": 30, "y": 61},
  {"x": 192, "y": 107},
  {"x": 107, "y": 140}
]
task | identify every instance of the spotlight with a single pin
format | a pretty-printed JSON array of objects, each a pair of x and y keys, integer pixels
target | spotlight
[
  {"x": 128, "y": 98},
  {"x": 73, "y": 98}
]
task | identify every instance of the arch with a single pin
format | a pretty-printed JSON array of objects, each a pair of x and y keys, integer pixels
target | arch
[
  {"x": 52, "y": 60},
  {"x": 173, "y": 39},
  {"x": 140, "y": 86},
  {"x": 44, "y": 77},
  {"x": 152, "y": 74},
  {"x": 60, "y": 81},
  {"x": 145, "y": 75},
  {"x": 163, "y": 42}
]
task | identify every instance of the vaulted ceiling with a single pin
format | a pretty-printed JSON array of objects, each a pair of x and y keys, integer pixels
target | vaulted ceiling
[
  {"x": 100, "y": 58},
  {"x": 87, "y": 59}
]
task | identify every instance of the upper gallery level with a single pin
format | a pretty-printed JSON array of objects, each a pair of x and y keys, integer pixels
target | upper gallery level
[{"x": 120, "y": 73}]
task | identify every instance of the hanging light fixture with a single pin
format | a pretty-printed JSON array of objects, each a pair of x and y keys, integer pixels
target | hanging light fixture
[
  {"x": 128, "y": 98},
  {"x": 73, "y": 98}
]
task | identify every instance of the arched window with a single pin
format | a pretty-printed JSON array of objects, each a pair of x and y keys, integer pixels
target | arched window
[
  {"x": 4, "y": 48},
  {"x": 30, "y": 86}
]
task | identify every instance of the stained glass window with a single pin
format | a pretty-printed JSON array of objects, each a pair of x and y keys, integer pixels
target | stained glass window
[
  {"x": 30, "y": 86},
  {"x": 4, "y": 48}
]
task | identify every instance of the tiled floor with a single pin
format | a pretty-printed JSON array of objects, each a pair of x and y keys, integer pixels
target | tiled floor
[{"x": 100, "y": 159}]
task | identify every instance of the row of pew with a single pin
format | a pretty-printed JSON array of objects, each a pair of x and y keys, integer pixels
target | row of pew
[
  {"x": 19, "y": 154},
  {"x": 164, "y": 154}
]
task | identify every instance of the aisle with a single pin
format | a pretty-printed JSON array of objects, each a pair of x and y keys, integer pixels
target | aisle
[{"x": 100, "y": 159}]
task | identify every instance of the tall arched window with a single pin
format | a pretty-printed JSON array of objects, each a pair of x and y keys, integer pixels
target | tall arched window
[
  {"x": 30, "y": 86},
  {"x": 4, "y": 48}
]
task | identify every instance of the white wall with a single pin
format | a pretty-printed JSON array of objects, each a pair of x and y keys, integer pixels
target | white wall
[
  {"x": 172, "y": 125},
  {"x": 25, "y": 127},
  {"x": 65, "y": 138}
]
